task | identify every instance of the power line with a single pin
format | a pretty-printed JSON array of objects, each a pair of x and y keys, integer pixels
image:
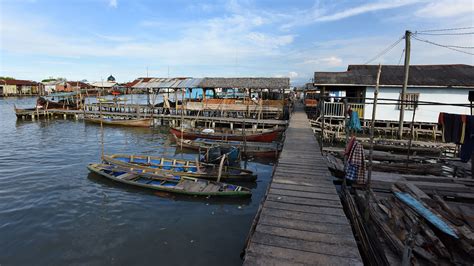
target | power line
[
  {"x": 445, "y": 46},
  {"x": 401, "y": 56},
  {"x": 451, "y": 29},
  {"x": 386, "y": 50},
  {"x": 444, "y": 34},
  {"x": 451, "y": 46}
]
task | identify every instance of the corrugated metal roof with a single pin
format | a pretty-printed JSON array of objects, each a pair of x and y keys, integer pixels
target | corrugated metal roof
[
  {"x": 183, "y": 83},
  {"x": 178, "y": 83},
  {"x": 190, "y": 83},
  {"x": 243, "y": 83}
]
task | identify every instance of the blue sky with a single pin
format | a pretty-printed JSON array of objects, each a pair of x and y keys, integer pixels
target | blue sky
[{"x": 91, "y": 39}]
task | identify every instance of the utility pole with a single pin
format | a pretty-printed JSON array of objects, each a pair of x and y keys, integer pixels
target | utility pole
[{"x": 405, "y": 83}]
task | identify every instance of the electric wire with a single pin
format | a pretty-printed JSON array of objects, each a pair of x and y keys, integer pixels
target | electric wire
[
  {"x": 401, "y": 56},
  {"x": 451, "y": 47},
  {"x": 451, "y": 29},
  {"x": 386, "y": 50},
  {"x": 443, "y": 34}
]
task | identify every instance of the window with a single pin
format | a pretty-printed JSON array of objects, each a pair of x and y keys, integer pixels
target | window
[{"x": 411, "y": 99}]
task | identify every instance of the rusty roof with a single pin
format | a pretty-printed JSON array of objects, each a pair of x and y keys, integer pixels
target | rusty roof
[{"x": 18, "y": 82}]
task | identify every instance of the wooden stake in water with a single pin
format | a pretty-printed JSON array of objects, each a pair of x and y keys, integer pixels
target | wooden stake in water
[
  {"x": 101, "y": 131},
  {"x": 182, "y": 116}
]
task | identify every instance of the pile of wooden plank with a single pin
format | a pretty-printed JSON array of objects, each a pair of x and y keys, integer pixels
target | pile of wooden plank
[{"x": 420, "y": 229}]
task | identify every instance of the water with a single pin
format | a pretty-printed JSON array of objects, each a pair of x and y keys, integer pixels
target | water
[{"x": 53, "y": 211}]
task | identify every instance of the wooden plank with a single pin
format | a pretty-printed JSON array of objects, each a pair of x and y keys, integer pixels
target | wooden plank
[
  {"x": 328, "y": 195},
  {"x": 305, "y": 201},
  {"x": 307, "y": 217},
  {"x": 315, "y": 181},
  {"x": 321, "y": 189},
  {"x": 304, "y": 209},
  {"x": 293, "y": 182},
  {"x": 298, "y": 256},
  {"x": 316, "y": 246},
  {"x": 336, "y": 229},
  {"x": 262, "y": 260},
  {"x": 315, "y": 177}
]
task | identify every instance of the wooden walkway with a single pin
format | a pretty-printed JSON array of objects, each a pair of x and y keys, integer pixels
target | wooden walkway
[
  {"x": 301, "y": 221},
  {"x": 31, "y": 115}
]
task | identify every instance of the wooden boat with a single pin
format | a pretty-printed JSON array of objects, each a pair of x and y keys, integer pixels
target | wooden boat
[
  {"x": 168, "y": 183},
  {"x": 256, "y": 149},
  {"x": 181, "y": 167},
  {"x": 262, "y": 135},
  {"x": 134, "y": 122}
]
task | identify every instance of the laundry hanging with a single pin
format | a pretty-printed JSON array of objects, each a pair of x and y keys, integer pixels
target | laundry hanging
[
  {"x": 453, "y": 127},
  {"x": 355, "y": 167},
  {"x": 458, "y": 129},
  {"x": 354, "y": 121}
]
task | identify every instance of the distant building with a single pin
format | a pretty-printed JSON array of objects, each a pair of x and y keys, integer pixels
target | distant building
[
  {"x": 53, "y": 86},
  {"x": 12, "y": 87},
  {"x": 68, "y": 86},
  {"x": 111, "y": 79},
  {"x": 76, "y": 85},
  {"x": 104, "y": 85},
  {"x": 428, "y": 83}
]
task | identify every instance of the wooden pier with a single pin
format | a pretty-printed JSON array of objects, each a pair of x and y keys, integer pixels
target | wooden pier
[
  {"x": 301, "y": 220},
  {"x": 162, "y": 118}
]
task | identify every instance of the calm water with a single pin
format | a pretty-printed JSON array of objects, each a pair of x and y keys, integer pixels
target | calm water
[{"x": 52, "y": 211}]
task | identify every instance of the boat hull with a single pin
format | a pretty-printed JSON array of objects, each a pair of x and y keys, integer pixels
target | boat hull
[
  {"x": 249, "y": 150},
  {"x": 193, "y": 186},
  {"x": 261, "y": 137},
  {"x": 144, "y": 122},
  {"x": 210, "y": 171}
]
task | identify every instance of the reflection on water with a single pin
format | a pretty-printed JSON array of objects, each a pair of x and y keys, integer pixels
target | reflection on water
[{"x": 53, "y": 211}]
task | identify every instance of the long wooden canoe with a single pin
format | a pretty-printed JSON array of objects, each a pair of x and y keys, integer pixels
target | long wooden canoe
[
  {"x": 181, "y": 167},
  {"x": 262, "y": 135},
  {"x": 141, "y": 122},
  {"x": 168, "y": 183},
  {"x": 256, "y": 149}
]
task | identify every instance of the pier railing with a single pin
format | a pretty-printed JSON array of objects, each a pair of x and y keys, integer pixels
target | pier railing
[{"x": 337, "y": 109}]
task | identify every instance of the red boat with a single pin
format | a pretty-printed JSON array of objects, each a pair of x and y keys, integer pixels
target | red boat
[{"x": 261, "y": 135}]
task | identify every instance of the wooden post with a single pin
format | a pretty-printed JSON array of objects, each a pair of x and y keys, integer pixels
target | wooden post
[
  {"x": 405, "y": 84},
  {"x": 415, "y": 104},
  {"x": 221, "y": 165},
  {"x": 182, "y": 116},
  {"x": 346, "y": 130},
  {"x": 175, "y": 102},
  {"x": 101, "y": 131},
  {"x": 321, "y": 104},
  {"x": 369, "y": 172}
]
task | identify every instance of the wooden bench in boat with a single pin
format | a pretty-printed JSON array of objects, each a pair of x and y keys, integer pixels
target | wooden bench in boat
[{"x": 128, "y": 176}]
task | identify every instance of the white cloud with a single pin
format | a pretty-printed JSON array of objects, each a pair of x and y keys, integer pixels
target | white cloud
[
  {"x": 332, "y": 61},
  {"x": 265, "y": 40},
  {"x": 322, "y": 14},
  {"x": 371, "y": 7},
  {"x": 446, "y": 8},
  {"x": 113, "y": 3},
  {"x": 292, "y": 74}
]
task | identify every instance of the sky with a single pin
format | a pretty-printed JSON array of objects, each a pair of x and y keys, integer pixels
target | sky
[{"x": 91, "y": 39}]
